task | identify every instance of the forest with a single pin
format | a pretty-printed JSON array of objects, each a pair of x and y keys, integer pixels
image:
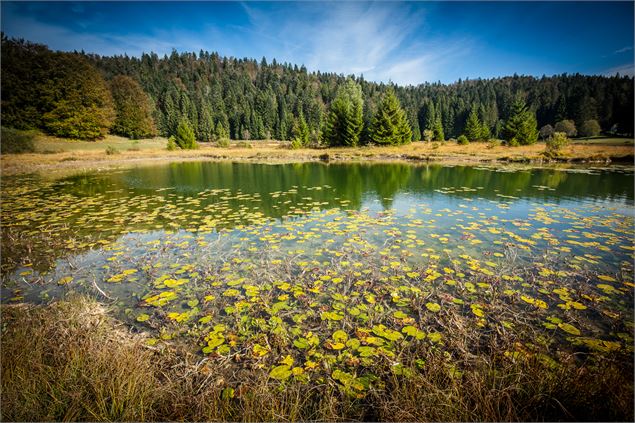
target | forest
[{"x": 85, "y": 96}]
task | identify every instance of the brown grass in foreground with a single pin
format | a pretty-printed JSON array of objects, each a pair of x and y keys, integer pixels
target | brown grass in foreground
[{"x": 71, "y": 361}]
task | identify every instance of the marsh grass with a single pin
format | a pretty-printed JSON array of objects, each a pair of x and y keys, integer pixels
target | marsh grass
[{"x": 71, "y": 361}]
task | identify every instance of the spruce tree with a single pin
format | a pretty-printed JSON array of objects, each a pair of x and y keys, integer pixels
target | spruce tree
[
  {"x": 345, "y": 120},
  {"x": 473, "y": 128},
  {"x": 185, "y": 135},
  {"x": 437, "y": 130},
  {"x": 301, "y": 131},
  {"x": 521, "y": 127},
  {"x": 390, "y": 125}
]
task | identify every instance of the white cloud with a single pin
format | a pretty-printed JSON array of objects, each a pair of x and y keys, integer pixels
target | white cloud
[
  {"x": 623, "y": 50},
  {"x": 624, "y": 70}
]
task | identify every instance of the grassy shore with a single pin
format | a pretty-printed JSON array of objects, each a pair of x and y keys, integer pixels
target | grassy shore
[
  {"x": 55, "y": 153},
  {"x": 71, "y": 361}
]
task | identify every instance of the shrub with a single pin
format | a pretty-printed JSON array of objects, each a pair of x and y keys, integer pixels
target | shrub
[
  {"x": 462, "y": 140},
  {"x": 566, "y": 126},
  {"x": 110, "y": 150},
  {"x": 223, "y": 142},
  {"x": 171, "y": 144},
  {"x": 296, "y": 144},
  {"x": 427, "y": 135},
  {"x": 557, "y": 142},
  {"x": 14, "y": 141}
]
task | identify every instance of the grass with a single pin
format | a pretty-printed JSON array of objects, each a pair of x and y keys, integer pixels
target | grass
[
  {"x": 54, "y": 153},
  {"x": 71, "y": 361},
  {"x": 14, "y": 141}
]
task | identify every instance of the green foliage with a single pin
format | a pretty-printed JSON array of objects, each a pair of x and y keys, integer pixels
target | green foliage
[
  {"x": 557, "y": 142},
  {"x": 14, "y": 141},
  {"x": 300, "y": 131},
  {"x": 521, "y": 127},
  {"x": 462, "y": 140},
  {"x": 81, "y": 106},
  {"x": 390, "y": 125},
  {"x": 223, "y": 142},
  {"x": 493, "y": 144},
  {"x": 344, "y": 122},
  {"x": 185, "y": 136},
  {"x": 473, "y": 128},
  {"x": 171, "y": 146},
  {"x": 568, "y": 127},
  {"x": 427, "y": 135},
  {"x": 133, "y": 108},
  {"x": 296, "y": 144},
  {"x": 546, "y": 131},
  {"x": 255, "y": 100},
  {"x": 437, "y": 130},
  {"x": 590, "y": 128}
]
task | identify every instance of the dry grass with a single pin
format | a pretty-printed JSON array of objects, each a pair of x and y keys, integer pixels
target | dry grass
[
  {"x": 71, "y": 361},
  {"x": 55, "y": 153}
]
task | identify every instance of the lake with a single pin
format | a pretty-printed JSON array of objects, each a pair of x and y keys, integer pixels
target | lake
[{"x": 318, "y": 261}]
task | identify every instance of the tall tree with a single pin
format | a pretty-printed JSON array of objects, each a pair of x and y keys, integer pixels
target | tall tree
[
  {"x": 390, "y": 125},
  {"x": 521, "y": 127},
  {"x": 345, "y": 120},
  {"x": 133, "y": 108},
  {"x": 473, "y": 127}
]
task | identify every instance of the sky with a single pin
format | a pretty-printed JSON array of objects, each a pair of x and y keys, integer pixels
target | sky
[{"x": 402, "y": 42}]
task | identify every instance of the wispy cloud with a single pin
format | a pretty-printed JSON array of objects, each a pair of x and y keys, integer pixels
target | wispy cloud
[
  {"x": 623, "y": 50},
  {"x": 373, "y": 39},
  {"x": 627, "y": 69}
]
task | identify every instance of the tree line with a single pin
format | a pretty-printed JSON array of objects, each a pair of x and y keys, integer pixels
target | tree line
[{"x": 84, "y": 96}]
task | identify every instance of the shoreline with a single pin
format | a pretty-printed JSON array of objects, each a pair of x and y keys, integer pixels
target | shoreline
[{"x": 415, "y": 153}]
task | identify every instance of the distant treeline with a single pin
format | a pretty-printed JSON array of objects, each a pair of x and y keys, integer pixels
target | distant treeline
[{"x": 84, "y": 96}]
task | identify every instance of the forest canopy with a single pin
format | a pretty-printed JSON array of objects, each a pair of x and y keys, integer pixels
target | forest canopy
[{"x": 71, "y": 94}]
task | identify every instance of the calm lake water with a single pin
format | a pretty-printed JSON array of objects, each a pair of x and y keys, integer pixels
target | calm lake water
[{"x": 182, "y": 248}]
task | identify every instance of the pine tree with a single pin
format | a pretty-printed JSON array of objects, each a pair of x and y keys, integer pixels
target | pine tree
[
  {"x": 301, "y": 131},
  {"x": 133, "y": 107},
  {"x": 521, "y": 127},
  {"x": 437, "y": 130},
  {"x": 345, "y": 120},
  {"x": 390, "y": 125},
  {"x": 184, "y": 137},
  {"x": 473, "y": 127}
]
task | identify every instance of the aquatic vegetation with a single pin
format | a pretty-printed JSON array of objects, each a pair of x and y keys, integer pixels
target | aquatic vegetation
[{"x": 324, "y": 291}]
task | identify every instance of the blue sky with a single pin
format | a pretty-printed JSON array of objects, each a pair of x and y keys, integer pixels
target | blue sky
[{"x": 405, "y": 42}]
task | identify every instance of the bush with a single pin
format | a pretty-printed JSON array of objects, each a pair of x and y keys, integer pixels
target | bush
[
  {"x": 590, "y": 128},
  {"x": 171, "y": 144},
  {"x": 462, "y": 140},
  {"x": 14, "y": 141},
  {"x": 110, "y": 150},
  {"x": 223, "y": 142},
  {"x": 296, "y": 144},
  {"x": 557, "y": 142},
  {"x": 427, "y": 135}
]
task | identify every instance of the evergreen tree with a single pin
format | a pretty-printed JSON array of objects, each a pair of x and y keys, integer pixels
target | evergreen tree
[
  {"x": 390, "y": 125},
  {"x": 473, "y": 129},
  {"x": 345, "y": 120},
  {"x": 437, "y": 130},
  {"x": 133, "y": 108},
  {"x": 301, "y": 131},
  {"x": 521, "y": 127},
  {"x": 184, "y": 137}
]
